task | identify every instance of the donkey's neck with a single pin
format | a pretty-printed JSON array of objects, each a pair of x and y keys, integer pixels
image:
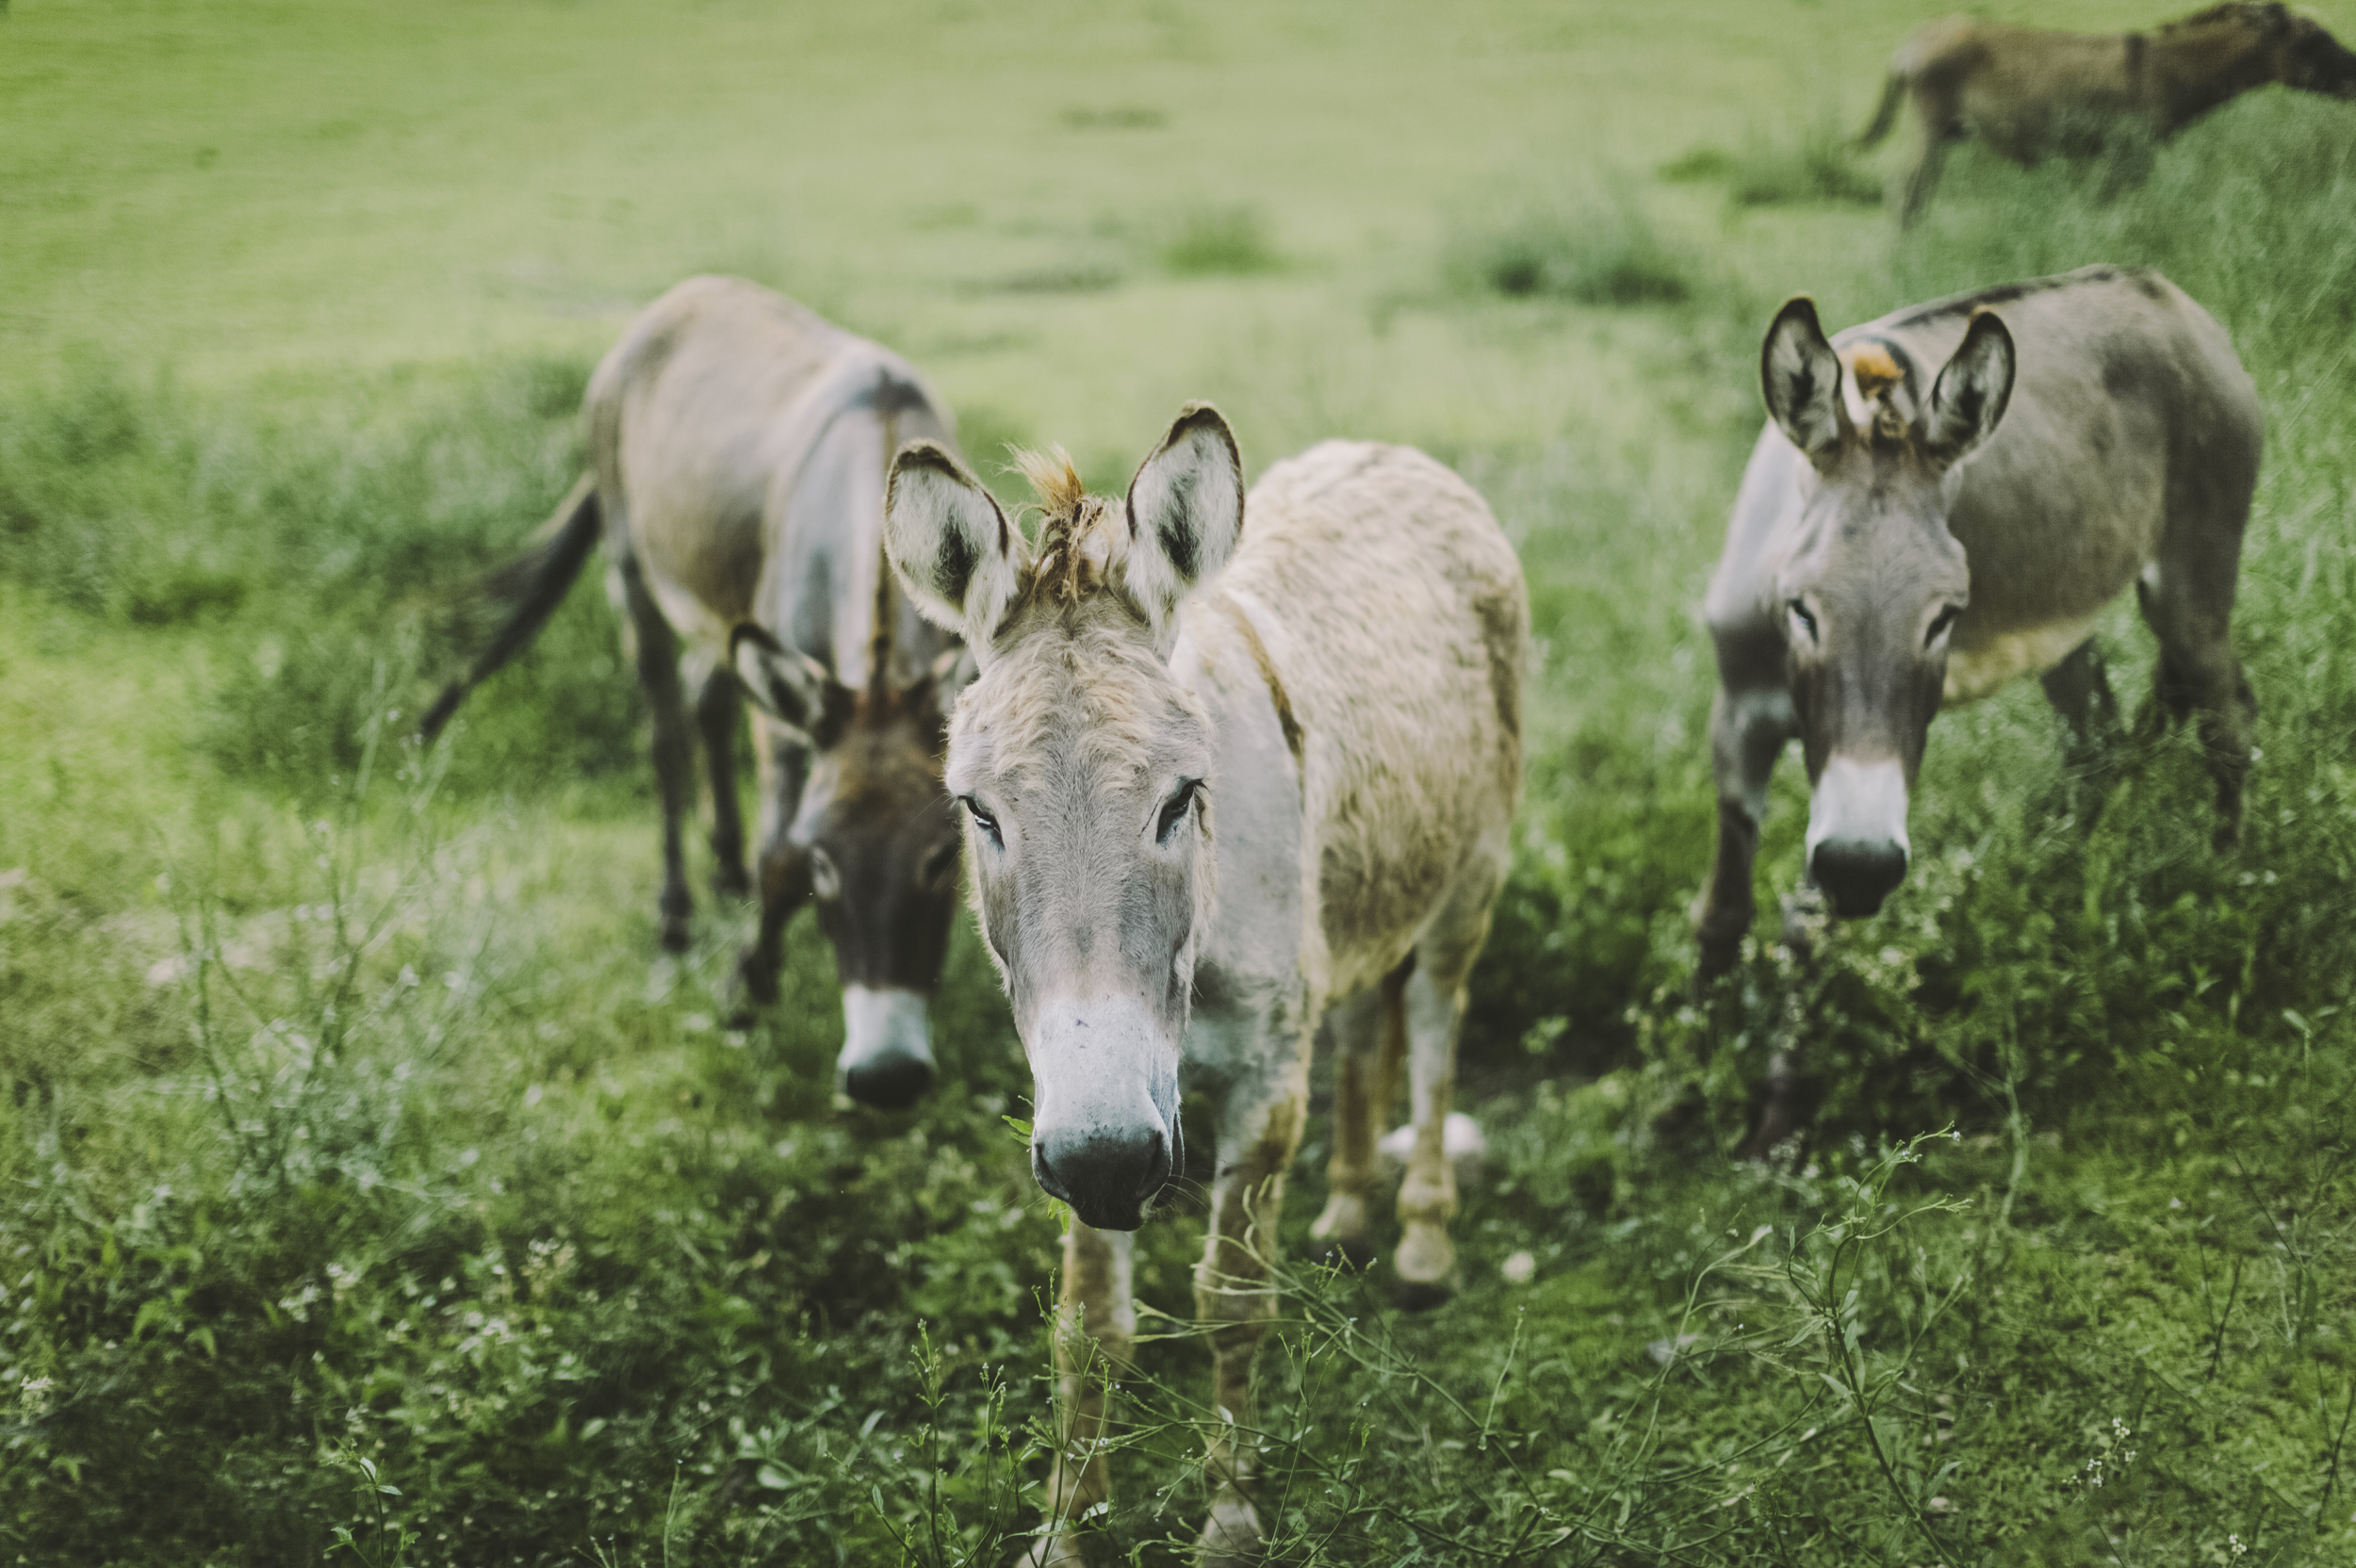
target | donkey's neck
[{"x": 1262, "y": 950}]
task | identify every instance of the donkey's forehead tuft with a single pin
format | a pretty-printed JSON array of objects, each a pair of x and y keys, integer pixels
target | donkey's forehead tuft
[
  {"x": 1082, "y": 538},
  {"x": 1873, "y": 369},
  {"x": 1052, "y": 479}
]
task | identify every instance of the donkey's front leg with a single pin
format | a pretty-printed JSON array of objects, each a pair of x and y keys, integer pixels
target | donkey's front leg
[
  {"x": 784, "y": 873},
  {"x": 1096, "y": 1324},
  {"x": 1748, "y": 730},
  {"x": 1233, "y": 1294}
]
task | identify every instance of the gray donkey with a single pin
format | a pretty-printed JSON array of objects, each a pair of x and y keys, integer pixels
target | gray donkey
[
  {"x": 738, "y": 448},
  {"x": 1908, "y": 539},
  {"x": 1229, "y": 762}
]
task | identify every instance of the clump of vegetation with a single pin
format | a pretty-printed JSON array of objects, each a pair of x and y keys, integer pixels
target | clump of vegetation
[
  {"x": 1113, "y": 117},
  {"x": 1597, "y": 249},
  {"x": 1821, "y": 162},
  {"x": 1215, "y": 241}
]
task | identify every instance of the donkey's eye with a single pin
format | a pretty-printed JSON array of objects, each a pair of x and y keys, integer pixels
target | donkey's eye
[
  {"x": 825, "y": 880},
  {"x": 1174, "y": 810},
  {"x": 1939, "y": 625},
  {"x": 1807, "y": 621},
  {"x": 983, "y": 821}
]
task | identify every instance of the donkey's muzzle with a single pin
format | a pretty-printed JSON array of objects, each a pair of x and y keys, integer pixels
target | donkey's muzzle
[
  {"x": 1857, "y": 873},
  {"x": 1108, "y": 1175},
  {"x": 887, "y": 1046}
]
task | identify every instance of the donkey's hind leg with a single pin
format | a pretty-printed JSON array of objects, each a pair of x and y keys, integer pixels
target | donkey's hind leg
[
  {"x": 654, "y": 646},
  {"x": 1369, "y": 1032},
  {"x": 1434, "y": 1001},
  {"x": 719, "y": 709},
  {"x": 2189, "y": 612}
]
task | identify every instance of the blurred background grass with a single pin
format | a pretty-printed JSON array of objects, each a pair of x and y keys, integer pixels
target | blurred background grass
[{"x": 349, "y": 1113}]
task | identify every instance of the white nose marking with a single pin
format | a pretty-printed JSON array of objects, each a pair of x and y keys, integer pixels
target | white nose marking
[
  {"x": 1865, "y": 801},
  {"x": 874, "y": 1021}
]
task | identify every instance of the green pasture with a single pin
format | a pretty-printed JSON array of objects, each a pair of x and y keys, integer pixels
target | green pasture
[{"x": 369, "y": 1185}]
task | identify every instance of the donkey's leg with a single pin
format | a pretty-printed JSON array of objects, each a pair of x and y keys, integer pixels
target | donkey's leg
[
  {"x": 1923, "y": 179},
  {"x": 1362, "y": 1027},
  {"x": 718, "y": 705},
  {"x": 655, "y": 648},
  {"x": 1747, "y": 732},
  {"x": 1257, "y": 1136},
  {"x": 2080, "y": 690},
  {"x": 1096, "y": 1325},
  {"x": 2186, "y": 595},
  {"x": 1432, "y": 1003},
  {"x": 784, "y": 767}
]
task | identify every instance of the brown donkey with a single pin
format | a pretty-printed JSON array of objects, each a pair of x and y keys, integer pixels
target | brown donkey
[
  {"x": 738, "y": 447},
  {"x": 1342, "y": 699},
  {"x": 1907, "y": 540},
  {"x": 2029, "y": 92}
]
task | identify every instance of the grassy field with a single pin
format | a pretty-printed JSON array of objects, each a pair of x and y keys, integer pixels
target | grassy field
[{"x": 368, "y": 1184}]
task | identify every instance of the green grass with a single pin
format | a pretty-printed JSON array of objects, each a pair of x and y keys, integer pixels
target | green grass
[{"x": 354, "y": 1137}]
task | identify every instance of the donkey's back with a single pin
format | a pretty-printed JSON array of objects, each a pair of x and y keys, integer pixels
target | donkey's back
[
  {"x": 1394, "y": 617},
  {"x": 2130, "y": 448}
]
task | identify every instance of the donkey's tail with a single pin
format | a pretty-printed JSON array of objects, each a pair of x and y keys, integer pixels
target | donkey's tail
[
  {"x": 1893, "y": 94},
  {"x": 524, "y": 593}
]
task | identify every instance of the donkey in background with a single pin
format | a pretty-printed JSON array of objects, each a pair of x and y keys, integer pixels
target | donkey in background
[
  {"x": 738, "y": 448},
  {"x": 2030, "y": 91},
  {"x": 1342, "y": 698},
  {"x": 1896, "y": 548}
]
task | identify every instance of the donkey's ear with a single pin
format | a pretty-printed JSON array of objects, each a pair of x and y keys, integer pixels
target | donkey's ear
[
  {"x": 1801, "y": 376},
  {"x": 1969, "y": 398},
  {"x": 791, "y": 688},
  {"x": 958, "y": 559},
  {"x": 1186, "y": 511}
]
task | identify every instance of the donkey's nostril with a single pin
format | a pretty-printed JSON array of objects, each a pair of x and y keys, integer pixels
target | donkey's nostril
[
  {"x": 1107, "y": 1174},
  {"x": 1857, "y": 874},
  {"x": 890, "y": 1080}
]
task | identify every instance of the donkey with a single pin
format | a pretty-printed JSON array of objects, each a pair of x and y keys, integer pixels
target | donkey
[
  {"x": 738, "y": 445},
  {"x": 1895, "y": 550},
  {"x": 2027, "y": 91},
  {"x": 1343, "y": 699}
]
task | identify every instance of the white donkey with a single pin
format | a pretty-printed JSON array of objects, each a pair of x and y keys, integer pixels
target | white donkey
[{"x": 1343, "y": 698}]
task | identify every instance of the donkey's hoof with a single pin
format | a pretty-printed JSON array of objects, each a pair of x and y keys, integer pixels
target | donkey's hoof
[
  {"x": 1716, "y": 961},
  {"x": 750, "y": 987},
  {"x": 1423, "y": 1295},
  {"x": 1425, "y": 1266},
  {"x": 1232, "y": 1535},
  {"x": 731, "y": 881},
  {"x": 675, "y": 936}
]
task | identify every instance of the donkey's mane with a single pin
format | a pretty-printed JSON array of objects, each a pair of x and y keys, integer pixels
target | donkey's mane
[
  {"x": 1080, "y": 535},
  {"x": 2233, "y": 10}
]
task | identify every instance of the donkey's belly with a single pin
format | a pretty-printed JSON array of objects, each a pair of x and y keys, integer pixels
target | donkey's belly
[{"x": 1973, "y": 672}]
